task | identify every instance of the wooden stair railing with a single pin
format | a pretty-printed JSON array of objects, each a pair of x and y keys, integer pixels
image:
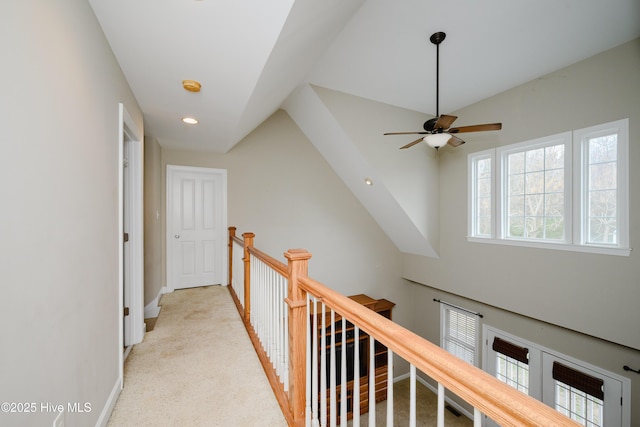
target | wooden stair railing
[{"x": 502, "y": 403}]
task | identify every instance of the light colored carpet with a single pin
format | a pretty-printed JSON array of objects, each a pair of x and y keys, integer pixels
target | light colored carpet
[{"x": 196, "y": 368}]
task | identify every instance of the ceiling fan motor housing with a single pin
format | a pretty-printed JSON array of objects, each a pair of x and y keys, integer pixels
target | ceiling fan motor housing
[{"x": 430, "y": 124}]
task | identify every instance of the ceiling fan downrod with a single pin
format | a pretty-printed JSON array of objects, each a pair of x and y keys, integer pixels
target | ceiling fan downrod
[{"x": 437, "y": 38}]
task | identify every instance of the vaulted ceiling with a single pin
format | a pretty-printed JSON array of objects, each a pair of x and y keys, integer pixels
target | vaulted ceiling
[{"x": 250, "y": 55}]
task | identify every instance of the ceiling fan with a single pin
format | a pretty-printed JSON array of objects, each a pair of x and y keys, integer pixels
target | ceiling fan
[{"x": 437, "y": 130}]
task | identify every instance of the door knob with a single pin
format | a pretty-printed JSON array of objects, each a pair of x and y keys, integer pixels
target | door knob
[{"x": 177, "y": 236}]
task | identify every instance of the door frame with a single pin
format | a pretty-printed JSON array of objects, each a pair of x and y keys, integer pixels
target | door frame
[
  {"x": 134, "y": 206},
  {"x": 170, "y": 171}
]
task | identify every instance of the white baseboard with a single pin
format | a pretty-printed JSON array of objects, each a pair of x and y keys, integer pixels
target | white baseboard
[
  {"x": 453, "y": 404},
  {"x": 152, "y": 309},
  {"x": 109, "y": 405}
]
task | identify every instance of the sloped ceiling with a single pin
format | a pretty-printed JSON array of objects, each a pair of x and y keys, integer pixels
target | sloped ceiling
[
  {"x": 250, "y": 55},
  {"x": 253, "y": 57}
]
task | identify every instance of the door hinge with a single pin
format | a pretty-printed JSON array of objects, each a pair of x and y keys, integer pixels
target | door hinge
[
  {"x": 126, "y": 311},
  {"x": 126, "y": 237}
]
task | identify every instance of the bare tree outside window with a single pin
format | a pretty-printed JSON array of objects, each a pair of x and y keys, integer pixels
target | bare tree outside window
[
  {"x": 602, "y": 190},
  {"x": 535, "y": 194}
]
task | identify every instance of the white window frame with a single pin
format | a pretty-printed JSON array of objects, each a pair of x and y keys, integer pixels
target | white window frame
[
  {"x": 575, "y": 191},
  {"x": 541, "y": 383},
  {"x": 444, "y": 332},
  {"x": 502, "y": 154},
  {"x": 581, "y": 138},
  {"x": 472, "y": 190}
]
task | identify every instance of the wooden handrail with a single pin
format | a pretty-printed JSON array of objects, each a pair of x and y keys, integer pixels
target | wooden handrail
[
  {"x": 276, "y": 265},
  {"x": 501, "y": 402}
]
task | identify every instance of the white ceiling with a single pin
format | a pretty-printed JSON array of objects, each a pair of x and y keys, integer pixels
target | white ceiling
[{"x": 250, "y": 55}]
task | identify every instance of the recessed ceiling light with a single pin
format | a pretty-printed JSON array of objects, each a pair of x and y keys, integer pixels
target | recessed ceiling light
[
  {"x": 190, "y": 120},
  {"x": 368, "y": 181}
]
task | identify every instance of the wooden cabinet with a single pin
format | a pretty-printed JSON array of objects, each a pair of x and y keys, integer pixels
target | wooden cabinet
[{"x": 382, "y": 307}]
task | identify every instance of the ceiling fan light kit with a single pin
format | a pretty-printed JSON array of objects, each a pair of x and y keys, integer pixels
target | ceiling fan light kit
[
  {"x": 436, "y": 140},
  {"x": 437, "y": 130}
]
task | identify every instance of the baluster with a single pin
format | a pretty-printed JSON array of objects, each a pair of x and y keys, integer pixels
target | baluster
[
  {"x": 323, "y": 370},
  {"x": 412, "y": 396},
  {"x": 440, "y": 405},
  {"x": 332, "y": 371},
  {"x": 312, "y": 353},
  {"x": 389, "y": 387},
  {"x": 285, "y": 337},
  {"x": 343, "y": 374},
  {"x": 372, "y": 381},
  {"x": 356, "y": 377},
  {"x": 477, "y": 417}
]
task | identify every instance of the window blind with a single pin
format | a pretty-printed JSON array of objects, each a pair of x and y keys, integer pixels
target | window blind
[
  {"x": 509, "y": 349},
  {"x": 576, "y": 379}
]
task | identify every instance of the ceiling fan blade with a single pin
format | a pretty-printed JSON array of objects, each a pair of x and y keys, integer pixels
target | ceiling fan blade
[
  {"x": 411, "y": 144},
  {"x": 406, "y": 133},
  {"x": 454, "y": 141},
  {"x": 444, "y": 121},
  {"x": 476, "y": 128}
]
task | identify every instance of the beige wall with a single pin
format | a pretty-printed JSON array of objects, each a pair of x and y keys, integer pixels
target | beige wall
[
  {"x": 60, "y": 87},
  {"x": 281, "y": 189},
  {"x": 596, "y": 295},
  {"x": 590, "y": 293},
  {"x": 153, "y": 220}
]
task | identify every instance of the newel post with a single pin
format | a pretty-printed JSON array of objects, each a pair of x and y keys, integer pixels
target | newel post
[
  {"x": 297, "y": 302},
  {"x": 232, "y": 234},
  {"x": 248, "y": 243}
]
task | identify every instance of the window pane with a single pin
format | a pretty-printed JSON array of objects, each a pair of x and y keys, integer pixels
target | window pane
[
  {"x": 554, "y": 181},
  {"x": 554, "y": 228},
  {"x": 484, "y": 187},
  {"x": 535, "y": 200},
  {"x": 534, "y": 227},
  {"x": 534, "y": 160},
  {"x": 602, "y": 230},
  {"x": 602, "y": 170},
  {"x": 534, "y": 183},
  {"x": 482, "y": 182},
  {"x": 603, "y": 149},
  {"x": 516, "y": 227},
  {"x": 484, "y": 226},
  {"x": 516, "y": 163},
  {"x": 484, "y": 168},
  {"x": 578, "y": 405},
  {"x": 602, "y": 176},
  {"x": 459, "y": 333},
  {"x": 516, "y": 184},
  {"x": 554, "y": 205},
  {"x": 534, "y": 204},
  {"x": 512, "y": 372},
  {"x": 554, "y": 157},
  {"x": 516, "y": 206}
]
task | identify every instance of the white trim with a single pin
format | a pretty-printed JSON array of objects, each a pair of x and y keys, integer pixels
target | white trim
[
  {"x": 555, "y": 246},
  {"x": 103, "y": 419},
  {"x": 580, "y": 137},
  {"x": 472, "y": 162},
  {"x": 152, "y": 309},
  {"x": 136, "y": 285},
  {"x": 625, "y": 382}
]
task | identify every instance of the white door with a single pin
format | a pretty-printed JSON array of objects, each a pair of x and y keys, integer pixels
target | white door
[
  {"x": 196, "y": 227},
  {"x": 599, "y": 408}
]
